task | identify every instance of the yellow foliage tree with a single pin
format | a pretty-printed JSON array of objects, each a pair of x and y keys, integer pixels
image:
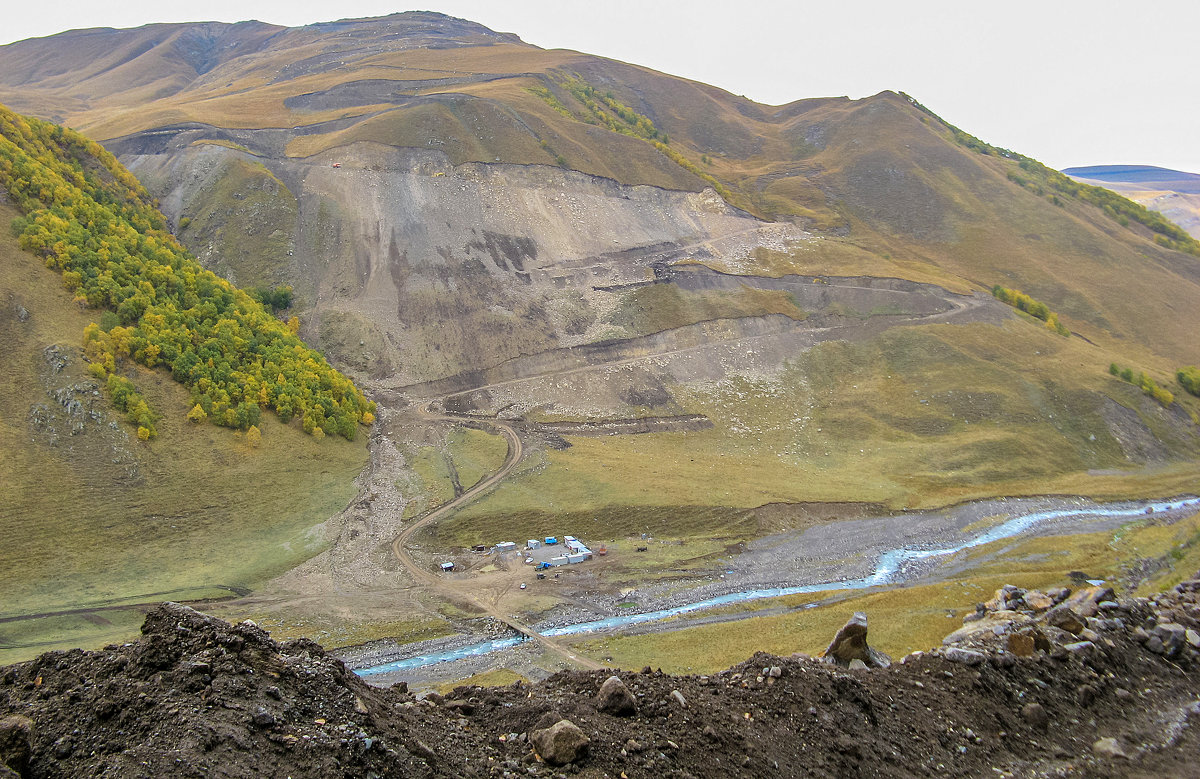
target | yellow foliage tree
[
  {"x": 197, "y": 414},
  {"x": 253, "y": 436}
]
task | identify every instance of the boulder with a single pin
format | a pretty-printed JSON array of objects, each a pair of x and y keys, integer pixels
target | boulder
[
  {"x": 16, "y": 742},
  {"x": 1020, "y": 644},
  {"x": 1065, "y": 618},
  {"x": 1173, "y": 637},
  {"x": 1085, "y": 602},
  {"x": 615, "y": 698},
  {"x": 965, "y": 656},
  {"x": 1109, "y": 747},
  {"x": 561, "y": 743},
  {"x": 850, "y": 643},
  {"x": 677, "y": 696},
  {"x": 992, "y": 623},
  {"x": 1035, "y": 715},
  {"x": 1038, "y": 601}
]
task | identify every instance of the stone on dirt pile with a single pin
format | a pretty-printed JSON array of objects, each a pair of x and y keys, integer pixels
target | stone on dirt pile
[
  {"x": 850, "y": 643},
  {"x": 1064, "y": 618},
  {"x": 1109, "y": 747},
  {"x": 16, "y": 743},
  {"x": 615, "y": 698},
  {"x": 561, "y": 743}
]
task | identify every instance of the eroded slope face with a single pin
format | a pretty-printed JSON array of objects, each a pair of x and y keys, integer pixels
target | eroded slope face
[{"x": 442, "y": 268}]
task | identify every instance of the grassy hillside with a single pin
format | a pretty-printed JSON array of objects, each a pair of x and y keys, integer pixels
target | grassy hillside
[
  {"x": 179, "y": 510},
  {"x": 90, "y": 218},
  {"x": 177, "y": 517}
]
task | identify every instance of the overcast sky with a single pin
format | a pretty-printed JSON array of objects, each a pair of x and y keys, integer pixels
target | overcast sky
[{"x": 1070, "y": 82}]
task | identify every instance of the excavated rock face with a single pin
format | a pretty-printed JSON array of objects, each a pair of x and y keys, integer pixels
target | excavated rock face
[{"x": 197, "y": 696}]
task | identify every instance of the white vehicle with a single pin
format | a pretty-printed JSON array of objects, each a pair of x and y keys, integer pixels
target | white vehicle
[{"x": 522, "y": 585}]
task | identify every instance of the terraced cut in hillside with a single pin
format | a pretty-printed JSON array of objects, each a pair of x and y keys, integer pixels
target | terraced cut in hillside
[{"x": 692, "y": 317}]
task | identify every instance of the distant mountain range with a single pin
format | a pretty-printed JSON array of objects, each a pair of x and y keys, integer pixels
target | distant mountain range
[
  {"x": 1142, "y": 176},
  {"x": 1173, "y": 193}
]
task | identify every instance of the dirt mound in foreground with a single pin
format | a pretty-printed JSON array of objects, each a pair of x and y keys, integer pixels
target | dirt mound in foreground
[{"x": 1105, "y": 690}]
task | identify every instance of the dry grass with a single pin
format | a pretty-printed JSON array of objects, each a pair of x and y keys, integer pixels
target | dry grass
[
  {"x": 915, "y": 417},
  {"x": 496, "y": 677}
]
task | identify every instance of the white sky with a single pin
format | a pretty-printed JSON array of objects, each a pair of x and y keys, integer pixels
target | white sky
[{"x": 1070, "y": 82}]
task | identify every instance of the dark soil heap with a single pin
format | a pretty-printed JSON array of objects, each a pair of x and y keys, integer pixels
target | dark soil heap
[{"x": 1036, "y": 684}]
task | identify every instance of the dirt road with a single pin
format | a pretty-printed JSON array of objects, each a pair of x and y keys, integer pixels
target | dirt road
[{"x": 463, "y": 591}]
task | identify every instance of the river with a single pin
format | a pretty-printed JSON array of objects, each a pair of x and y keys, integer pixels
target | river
[{"x": 888, "y": 569}]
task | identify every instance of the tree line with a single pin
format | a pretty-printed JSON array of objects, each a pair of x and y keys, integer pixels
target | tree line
[
  {"x": 87, "y": 217},
  {"x": 1035, "y": 308},
  {"x": 1149, "y": 386}
]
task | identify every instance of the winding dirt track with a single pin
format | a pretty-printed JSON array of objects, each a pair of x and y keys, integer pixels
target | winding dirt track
[{"x": 462, "y": 590}]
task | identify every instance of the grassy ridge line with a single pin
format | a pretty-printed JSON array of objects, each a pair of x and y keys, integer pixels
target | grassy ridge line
[
  {"x": 88, "y": 217},
  {"x": 1121, "y": 209},
  {"x": 605, "y": 110}
]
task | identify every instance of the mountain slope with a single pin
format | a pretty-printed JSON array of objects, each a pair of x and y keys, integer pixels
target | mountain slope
[
  {"x": 879, "y": 169},
  {"x": 688, "y": 305},
  {"x": 198, "y": 511}
]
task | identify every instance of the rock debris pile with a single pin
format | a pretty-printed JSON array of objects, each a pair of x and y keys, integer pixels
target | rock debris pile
[{"x": 1057, "y": 683}]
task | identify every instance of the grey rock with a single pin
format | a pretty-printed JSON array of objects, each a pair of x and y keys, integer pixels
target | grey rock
[
  {"x": 615, "y": 698},
  {"x": 263, "y": 718},
  {"x": 1064, "y": 617},
  {"x": 1109, "y": 747},
  {"x": 561, "y": 743},
  {"x": 965, "y": 656},
  {"x": 677, "y": 696},
  {"x": 775, "y": 671},
  {"x": 850, "y": 643},
  {"x": 1080, "y": 647},
  {"x": 857, "y": 665},
  {"x": 1173, "y": 637},
  {"x": 63, "y": 747}
]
